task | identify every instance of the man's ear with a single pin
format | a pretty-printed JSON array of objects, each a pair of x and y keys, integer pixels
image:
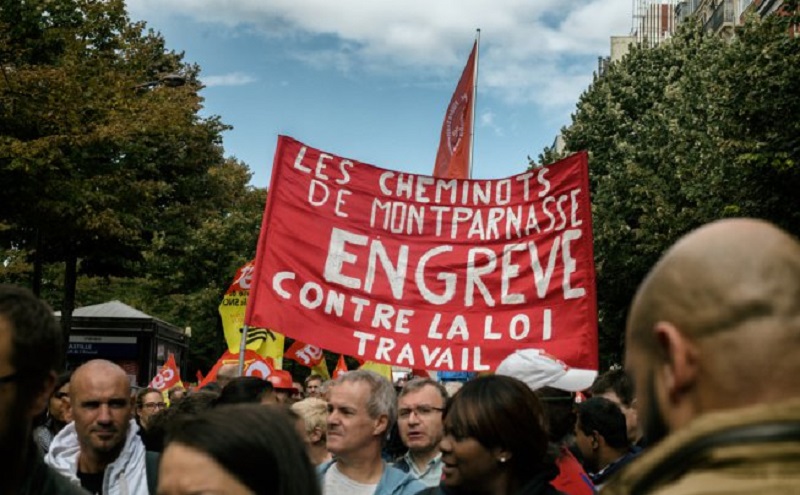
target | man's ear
[
  {"x": 381, "y": 425},
  {"x": 596, "y": 440},
  {"x": 40, "y": 401},
  {"x": 681, "y": 359}
]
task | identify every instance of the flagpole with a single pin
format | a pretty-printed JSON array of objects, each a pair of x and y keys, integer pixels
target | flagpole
[
  {"x": 474, "y": 100},
  {"x": 242, "y": 349}
]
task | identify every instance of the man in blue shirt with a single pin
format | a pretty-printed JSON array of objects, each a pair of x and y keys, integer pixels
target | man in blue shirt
[{"x": 420, "y": 406}]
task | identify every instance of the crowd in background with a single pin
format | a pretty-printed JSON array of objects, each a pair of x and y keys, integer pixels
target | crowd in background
[{"x": 708, "y": 403}]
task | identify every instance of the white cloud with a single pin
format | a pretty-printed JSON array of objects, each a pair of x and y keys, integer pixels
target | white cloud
[
  {"x": 232, "y": 79},
  {"x": 487, "y": 120},
  {"x": 540, "y": 51}
]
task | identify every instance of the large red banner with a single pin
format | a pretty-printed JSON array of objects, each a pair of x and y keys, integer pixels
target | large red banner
[{"x": 444, "y": 274}]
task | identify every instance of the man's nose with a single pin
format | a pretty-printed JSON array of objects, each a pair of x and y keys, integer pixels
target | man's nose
[{"x": 104, "y": 414}]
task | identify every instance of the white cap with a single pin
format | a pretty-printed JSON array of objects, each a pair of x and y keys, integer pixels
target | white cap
[{"x": 538, "y": 370}]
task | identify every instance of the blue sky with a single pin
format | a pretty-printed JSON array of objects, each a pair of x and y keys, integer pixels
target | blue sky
[{"x": 370, "y": 79}]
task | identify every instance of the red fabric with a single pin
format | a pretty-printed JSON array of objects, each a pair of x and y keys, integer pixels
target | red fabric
[
  {"x": 426, "y": 273},
  {"x": 306, "y": 354},
  {"x": 242, "y": 279},
  {"x": 341, "y": 367},
  {"x": 168, "y": 376},
  {"x": 455, "y": 143},
  {"x": 254, "y": 365},
  {"x": 572, "y": 478}
]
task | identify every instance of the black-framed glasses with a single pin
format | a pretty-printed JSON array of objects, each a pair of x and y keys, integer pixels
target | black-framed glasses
[
  {"x": 420, "y": 411},
  {"x": 10, "y": 378}
]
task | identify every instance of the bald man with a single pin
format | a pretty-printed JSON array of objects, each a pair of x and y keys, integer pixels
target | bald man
[
  {"x": 713, "y": 343},
  {"x": 100, "y": 449}
]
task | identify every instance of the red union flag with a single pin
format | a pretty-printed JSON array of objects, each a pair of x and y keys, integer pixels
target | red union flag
[
  {"x": 452, "y": 159},
  {"x": 440, "y": 274},
  {"x": 305, "y": 354},
  {"x": 168, "y": 376}
]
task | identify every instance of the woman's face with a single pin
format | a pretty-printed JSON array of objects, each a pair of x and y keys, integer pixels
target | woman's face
[
  {"x": 466, "y": 463},
  {"x": 185, "y": 470},
  {"x": 59, "y": 404}
]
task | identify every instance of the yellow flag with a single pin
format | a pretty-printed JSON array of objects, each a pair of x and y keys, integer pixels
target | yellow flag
[
  {"x": 262, "y": 341},
  {"x": 321, "y": 369},
  {"x": 385, "y": 370}
]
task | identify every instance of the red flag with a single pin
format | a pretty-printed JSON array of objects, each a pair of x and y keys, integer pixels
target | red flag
[
  {"x": 306, "y": 354},
  {"x": 499, "y": 265},
  {"x": 341, "y": 367},
  {"x": 452, "y": 159},
  {"x": 417, "y": 372},
  {"x": 168, "y": 376},
  {"x": 254, "y": 365}
]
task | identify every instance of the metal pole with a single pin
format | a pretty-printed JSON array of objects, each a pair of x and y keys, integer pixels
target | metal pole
[
  {"x": 474, "y": 100},
  {"x": 242, "y": 348}
]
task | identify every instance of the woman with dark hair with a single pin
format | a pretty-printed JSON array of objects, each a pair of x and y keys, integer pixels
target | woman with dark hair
[
  {"x": 57, "y": 413},
  {"x": 495, "y": 440},
  {"x": 244, "y": 390},
  {"x": 243, "y": 449}
]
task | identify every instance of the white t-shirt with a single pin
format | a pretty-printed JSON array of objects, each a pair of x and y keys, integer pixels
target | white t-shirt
[{"x": 338, "y": 484}]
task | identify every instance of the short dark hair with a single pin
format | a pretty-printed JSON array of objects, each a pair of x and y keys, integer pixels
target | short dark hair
[
  {"x": 313, "y": 376},
  {"x": 559, "y": 409},
  {"x": 606, "y": 418},
  {"x": 256, "y": 444},
  {"x": 63, "y": 379},
  {"x": 615, "y": 380},
  {"x": 244, "y": 389},
  {"x": 416, "y": 384},
  {"x": 501, "y": 411},
  {"x": 141, "y": 393},
  {"x": 38, "y": 349}
]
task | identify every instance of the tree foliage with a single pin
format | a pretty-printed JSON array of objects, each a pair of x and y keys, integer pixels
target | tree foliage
[
  {"x": 114, "y": 184},
  {"x": 696, "y": 129}
]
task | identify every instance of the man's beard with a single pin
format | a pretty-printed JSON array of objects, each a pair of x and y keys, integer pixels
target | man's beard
[{"x": 655, "y": 427}]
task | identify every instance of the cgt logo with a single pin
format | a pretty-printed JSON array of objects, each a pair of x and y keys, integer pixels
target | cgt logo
[
  {"x": 164, "y": 378},
  {"x": 456, "y": 116},
  {"x": 245, "y": 278},
  {"x": 259, "y": 369}
]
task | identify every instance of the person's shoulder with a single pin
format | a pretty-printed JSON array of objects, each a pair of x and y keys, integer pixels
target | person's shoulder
[
  {"x": 397, "y": 482},
  {"x": 54, "y": 483}
]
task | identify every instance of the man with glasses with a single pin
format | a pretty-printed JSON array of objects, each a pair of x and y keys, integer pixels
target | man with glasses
[
  {"x": 30, "y": 353},
  {"x": 419, "y": 420},
  {"x": 101, "y": 449}
]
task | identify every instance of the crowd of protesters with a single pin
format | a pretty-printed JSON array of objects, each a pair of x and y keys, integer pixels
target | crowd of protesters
[{"x": 708, "y": 403}]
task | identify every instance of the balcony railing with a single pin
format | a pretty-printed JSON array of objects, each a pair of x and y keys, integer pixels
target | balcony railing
[{"x": 723, "y": 16}]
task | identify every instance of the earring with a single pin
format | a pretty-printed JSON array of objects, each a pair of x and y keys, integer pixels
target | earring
[{"x": 502, "y": 459}]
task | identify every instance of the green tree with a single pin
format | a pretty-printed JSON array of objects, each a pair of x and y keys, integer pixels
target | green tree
[
  {"x": 96, "y": 158},
  {"x": 696, "y": 129}
]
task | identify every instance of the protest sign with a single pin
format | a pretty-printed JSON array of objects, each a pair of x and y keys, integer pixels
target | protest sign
[{"x": 423, "y": 272}]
